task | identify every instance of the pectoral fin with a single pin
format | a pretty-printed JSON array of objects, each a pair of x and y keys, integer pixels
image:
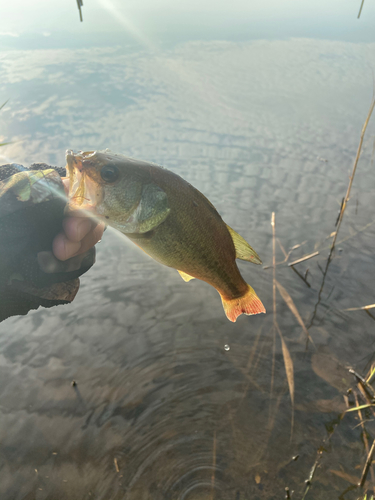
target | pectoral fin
[
  {"x": 185, "y": 277},
  {"x": 243, "y": 249},
  {"x": 151, "y": 211}
]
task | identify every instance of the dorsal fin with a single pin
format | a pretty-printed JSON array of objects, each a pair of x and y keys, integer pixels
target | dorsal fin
[
  {"x": 186, "y": 277},
  {"x": 243, "y": 249}
]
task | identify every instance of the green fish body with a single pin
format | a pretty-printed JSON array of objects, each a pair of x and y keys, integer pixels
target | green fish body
[{"x": 168, "y": 218}]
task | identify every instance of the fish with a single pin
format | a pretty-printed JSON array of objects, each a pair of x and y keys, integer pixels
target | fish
[{"x": 167, "y": 218}]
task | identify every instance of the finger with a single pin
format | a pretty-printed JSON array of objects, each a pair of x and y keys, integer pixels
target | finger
[
  {"x": 65, "y": 181},
  {"x": 88, "y": 212},
  {"x": 76, "y": 228},
  {"x": 91, "y": 238},
  {"x": 63, "y": 248}
]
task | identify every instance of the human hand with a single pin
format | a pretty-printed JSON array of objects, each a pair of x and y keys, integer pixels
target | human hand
[
  {"x": 31, "y": 275},
  {"x": 79, "y": 234}
]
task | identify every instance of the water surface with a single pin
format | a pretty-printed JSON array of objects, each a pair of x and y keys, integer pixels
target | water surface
[{"x": 162, "y": 409}]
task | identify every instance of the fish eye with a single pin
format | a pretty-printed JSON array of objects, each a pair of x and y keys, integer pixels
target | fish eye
[{"x": 109, "y": 173}]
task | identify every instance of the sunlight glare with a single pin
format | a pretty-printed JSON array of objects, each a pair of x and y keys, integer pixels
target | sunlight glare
[{"x": 127, "y": 23}]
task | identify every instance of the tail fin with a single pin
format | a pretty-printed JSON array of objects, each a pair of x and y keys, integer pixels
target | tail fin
[{"x": 248, "y": 304}]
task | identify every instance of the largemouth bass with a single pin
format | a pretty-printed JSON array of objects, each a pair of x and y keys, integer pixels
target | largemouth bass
[{"x": 167, "y": 218}]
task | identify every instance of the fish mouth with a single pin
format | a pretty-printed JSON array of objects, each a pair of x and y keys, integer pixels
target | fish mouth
[{"x": 84, "y": 192}]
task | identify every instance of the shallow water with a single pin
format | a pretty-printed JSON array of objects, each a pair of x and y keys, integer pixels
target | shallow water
[{"x": 162, "y": 408}]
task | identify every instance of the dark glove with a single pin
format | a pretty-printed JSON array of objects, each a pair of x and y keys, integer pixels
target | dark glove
[{"x": 32, "y": 203}]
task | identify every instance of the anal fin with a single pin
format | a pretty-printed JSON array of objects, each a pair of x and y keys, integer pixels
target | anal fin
[{"x": 186, "y": 277}]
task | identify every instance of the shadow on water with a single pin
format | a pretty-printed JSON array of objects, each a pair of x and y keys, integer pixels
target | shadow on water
[{"x": 171, "y": 401}]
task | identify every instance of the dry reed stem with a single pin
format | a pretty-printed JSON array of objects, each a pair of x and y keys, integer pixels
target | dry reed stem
[
  {"x": 302, "y": 259},
  {"x": 329, "y": 246},
  {"x": 79, "y": 5},
  {"x": 253, "y": 370},
  {"x": 249, "y": 365},
  {"x": 371, "y": 374},
  {"x": 363, "y": 308},
  {"x": 358, "y": 408},
  {"x": 372, "y": 155},
  {"x": 298, "y": 245},
  {"x": 271, "y": 423},
  {"x": 365, "y": 440},
  {"x": 343, "y": 207},
  {"x": 286, "y": 255},
  {"x": 352, "y": 235},
  {"x": 319, "y": 456},
  {"x": 274, "y": 265},
  {"x": 360, "y": 10},
  {"x": 346, "y": 399},
  {"x": 277, "y": 264},
  {"x": 353, "y": 480},
  {"x": 253, "y": 351},
  {"x": 366, "y": 397},
  {"x": 289, "y": 302},
  {"x": 303, "y": 278},
  {"x": 116, "y": 465},
  {"x": 363, "y": 383},
  {"x": 273, "y": 222},
  {"x": 369, "y": 314},
  {"x": 286, "y": 354},
  {"x": 289, "y": 369},
  {"x": 213, "y": 467},
  {"x": 312, "y": 473},
  {"x": 347, "y": 195},
  {"x": 367, "y": 465},
  {"x": 249, "y": 382}
]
